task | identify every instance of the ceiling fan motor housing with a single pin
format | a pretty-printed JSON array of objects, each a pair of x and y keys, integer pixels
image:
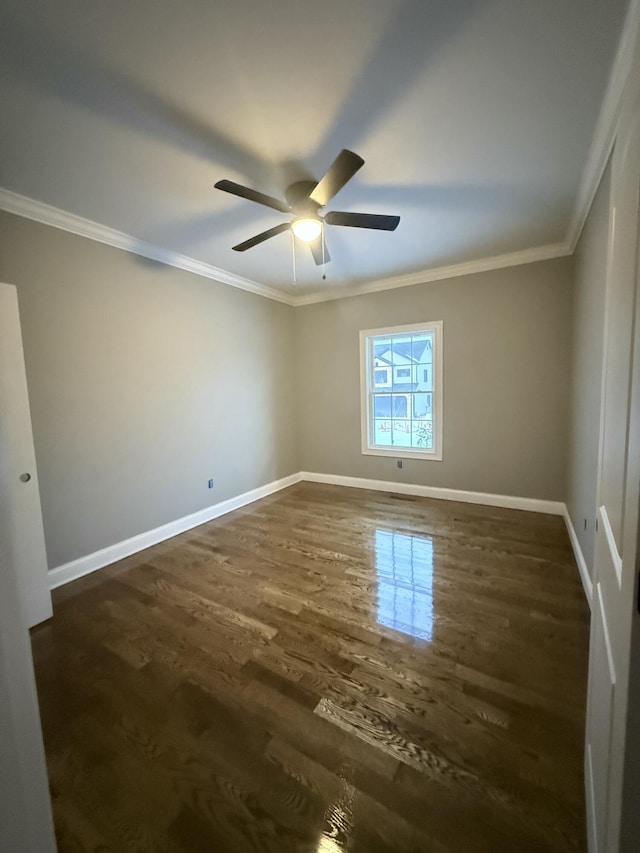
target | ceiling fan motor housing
[{"x": 297, "y": 195}]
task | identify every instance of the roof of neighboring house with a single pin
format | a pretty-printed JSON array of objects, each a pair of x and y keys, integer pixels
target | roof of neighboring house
[{"x": 410, "y": 350}]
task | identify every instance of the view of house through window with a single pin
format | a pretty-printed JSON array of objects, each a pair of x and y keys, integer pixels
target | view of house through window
[{"x": 400, "y": 393}]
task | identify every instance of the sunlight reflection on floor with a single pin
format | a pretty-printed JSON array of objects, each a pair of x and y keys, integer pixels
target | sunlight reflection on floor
[{"x": 404, "y": 565}]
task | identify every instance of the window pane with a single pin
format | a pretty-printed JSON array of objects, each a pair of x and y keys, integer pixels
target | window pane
[
  {"x": 381, "y": 352},
  {"x": 404, "y": 377},
  {"x": 381, "y": 345},
  {"x": 381, "y": 377},
  {"x": 401, "y": 349},
  {"x": 382, "y": 406},
  {"x": 401, "y": 432},
  {"x": 400, "y": 405},
  {"x": 382, "y": 432},
  {"x": 422, "y": 434},
  {"x": 422, "y": 405},
  {"x": 422, "y": 348},
  {"x": 424, "y": 377}
]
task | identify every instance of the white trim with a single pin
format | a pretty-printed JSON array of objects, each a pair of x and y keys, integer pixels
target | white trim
[
  {"x": 434, "y": 274},
  {"x": 585, "y": 576},
  {"x": 38, "y": 211},
  {"x": 55, "y": 217},
  {"x": 607, "y": 124},
  {"x": 592, "y": 833},
  {"x": 605, "y": 335},
  {"x": 99, "y": 559},
  {"x": 507, "y": 501},
  {"x": 614, "y": 554},
  {"x": 607, "y": 639}
]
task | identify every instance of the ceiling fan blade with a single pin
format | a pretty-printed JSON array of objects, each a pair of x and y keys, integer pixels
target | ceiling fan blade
[
  {"x": 339, "y": 172},
  {"x": 316, "y": 251},
  {"x": 260, "y": 238},
  {"x": 252, "y": 195},
  {"x": 362, "y": 220}
]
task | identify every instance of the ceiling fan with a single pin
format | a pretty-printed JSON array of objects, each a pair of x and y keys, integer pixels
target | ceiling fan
[{"x": 305, "y": 199}]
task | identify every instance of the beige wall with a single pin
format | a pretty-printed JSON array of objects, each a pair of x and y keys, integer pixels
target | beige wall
[
  {"x": 586, "y": 370},
  {"x": 506, "y": 380},
  {"x": 145, "y": 381}
]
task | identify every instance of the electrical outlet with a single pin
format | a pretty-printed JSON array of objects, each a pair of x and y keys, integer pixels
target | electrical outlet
[
  {"x": 210, "y": 484},
  {"x": 399, "y": 463}
]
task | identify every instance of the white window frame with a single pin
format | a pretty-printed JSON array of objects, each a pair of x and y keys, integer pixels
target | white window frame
[{"x": 366, "y": 393}]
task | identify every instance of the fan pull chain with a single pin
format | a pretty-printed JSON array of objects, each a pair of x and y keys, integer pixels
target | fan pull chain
[
  {"x": 293, "y": 256},
  {"x": 324, "y": 263}
]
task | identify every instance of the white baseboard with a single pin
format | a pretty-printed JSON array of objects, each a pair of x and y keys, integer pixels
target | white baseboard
[
  {"x": 99, "y": 559},
  {"x": 585, "y": 577},
  {"x": 92, "y": 562},
  {"x": 507, "y": 501}
]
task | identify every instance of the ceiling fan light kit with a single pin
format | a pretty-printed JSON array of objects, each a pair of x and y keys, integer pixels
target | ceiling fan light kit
[
  {"x": 307, "y": 228},
  {"x": 305, "y": 199}
]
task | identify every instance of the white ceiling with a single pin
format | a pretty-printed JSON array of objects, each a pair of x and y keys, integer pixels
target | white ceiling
[{"x": 474, "y": 118}]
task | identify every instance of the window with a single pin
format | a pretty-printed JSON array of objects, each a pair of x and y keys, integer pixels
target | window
[{"x": 402, "y": 403}]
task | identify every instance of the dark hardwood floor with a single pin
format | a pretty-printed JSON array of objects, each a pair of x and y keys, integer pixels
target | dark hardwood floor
[{"x": 328, "y": 669}]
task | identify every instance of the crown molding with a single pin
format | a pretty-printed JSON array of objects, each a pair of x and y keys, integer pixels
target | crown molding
[
  {"x": 55, "y": 217},
  {"x": 607, "y": 124},
  {"x": 497, "y": 262},
  {"x": 46, "y": 214},
  {"x": 599, "y": 152}
]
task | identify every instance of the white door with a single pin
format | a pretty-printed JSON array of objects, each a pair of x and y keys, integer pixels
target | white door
[
  {"x": 614, "y": 596},
  {"x": 25, "y": 809},
  {"x": 23, "y": 513}
]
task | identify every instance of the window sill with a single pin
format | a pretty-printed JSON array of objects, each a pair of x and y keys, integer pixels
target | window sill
[{"x": 403, "y": 453}]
